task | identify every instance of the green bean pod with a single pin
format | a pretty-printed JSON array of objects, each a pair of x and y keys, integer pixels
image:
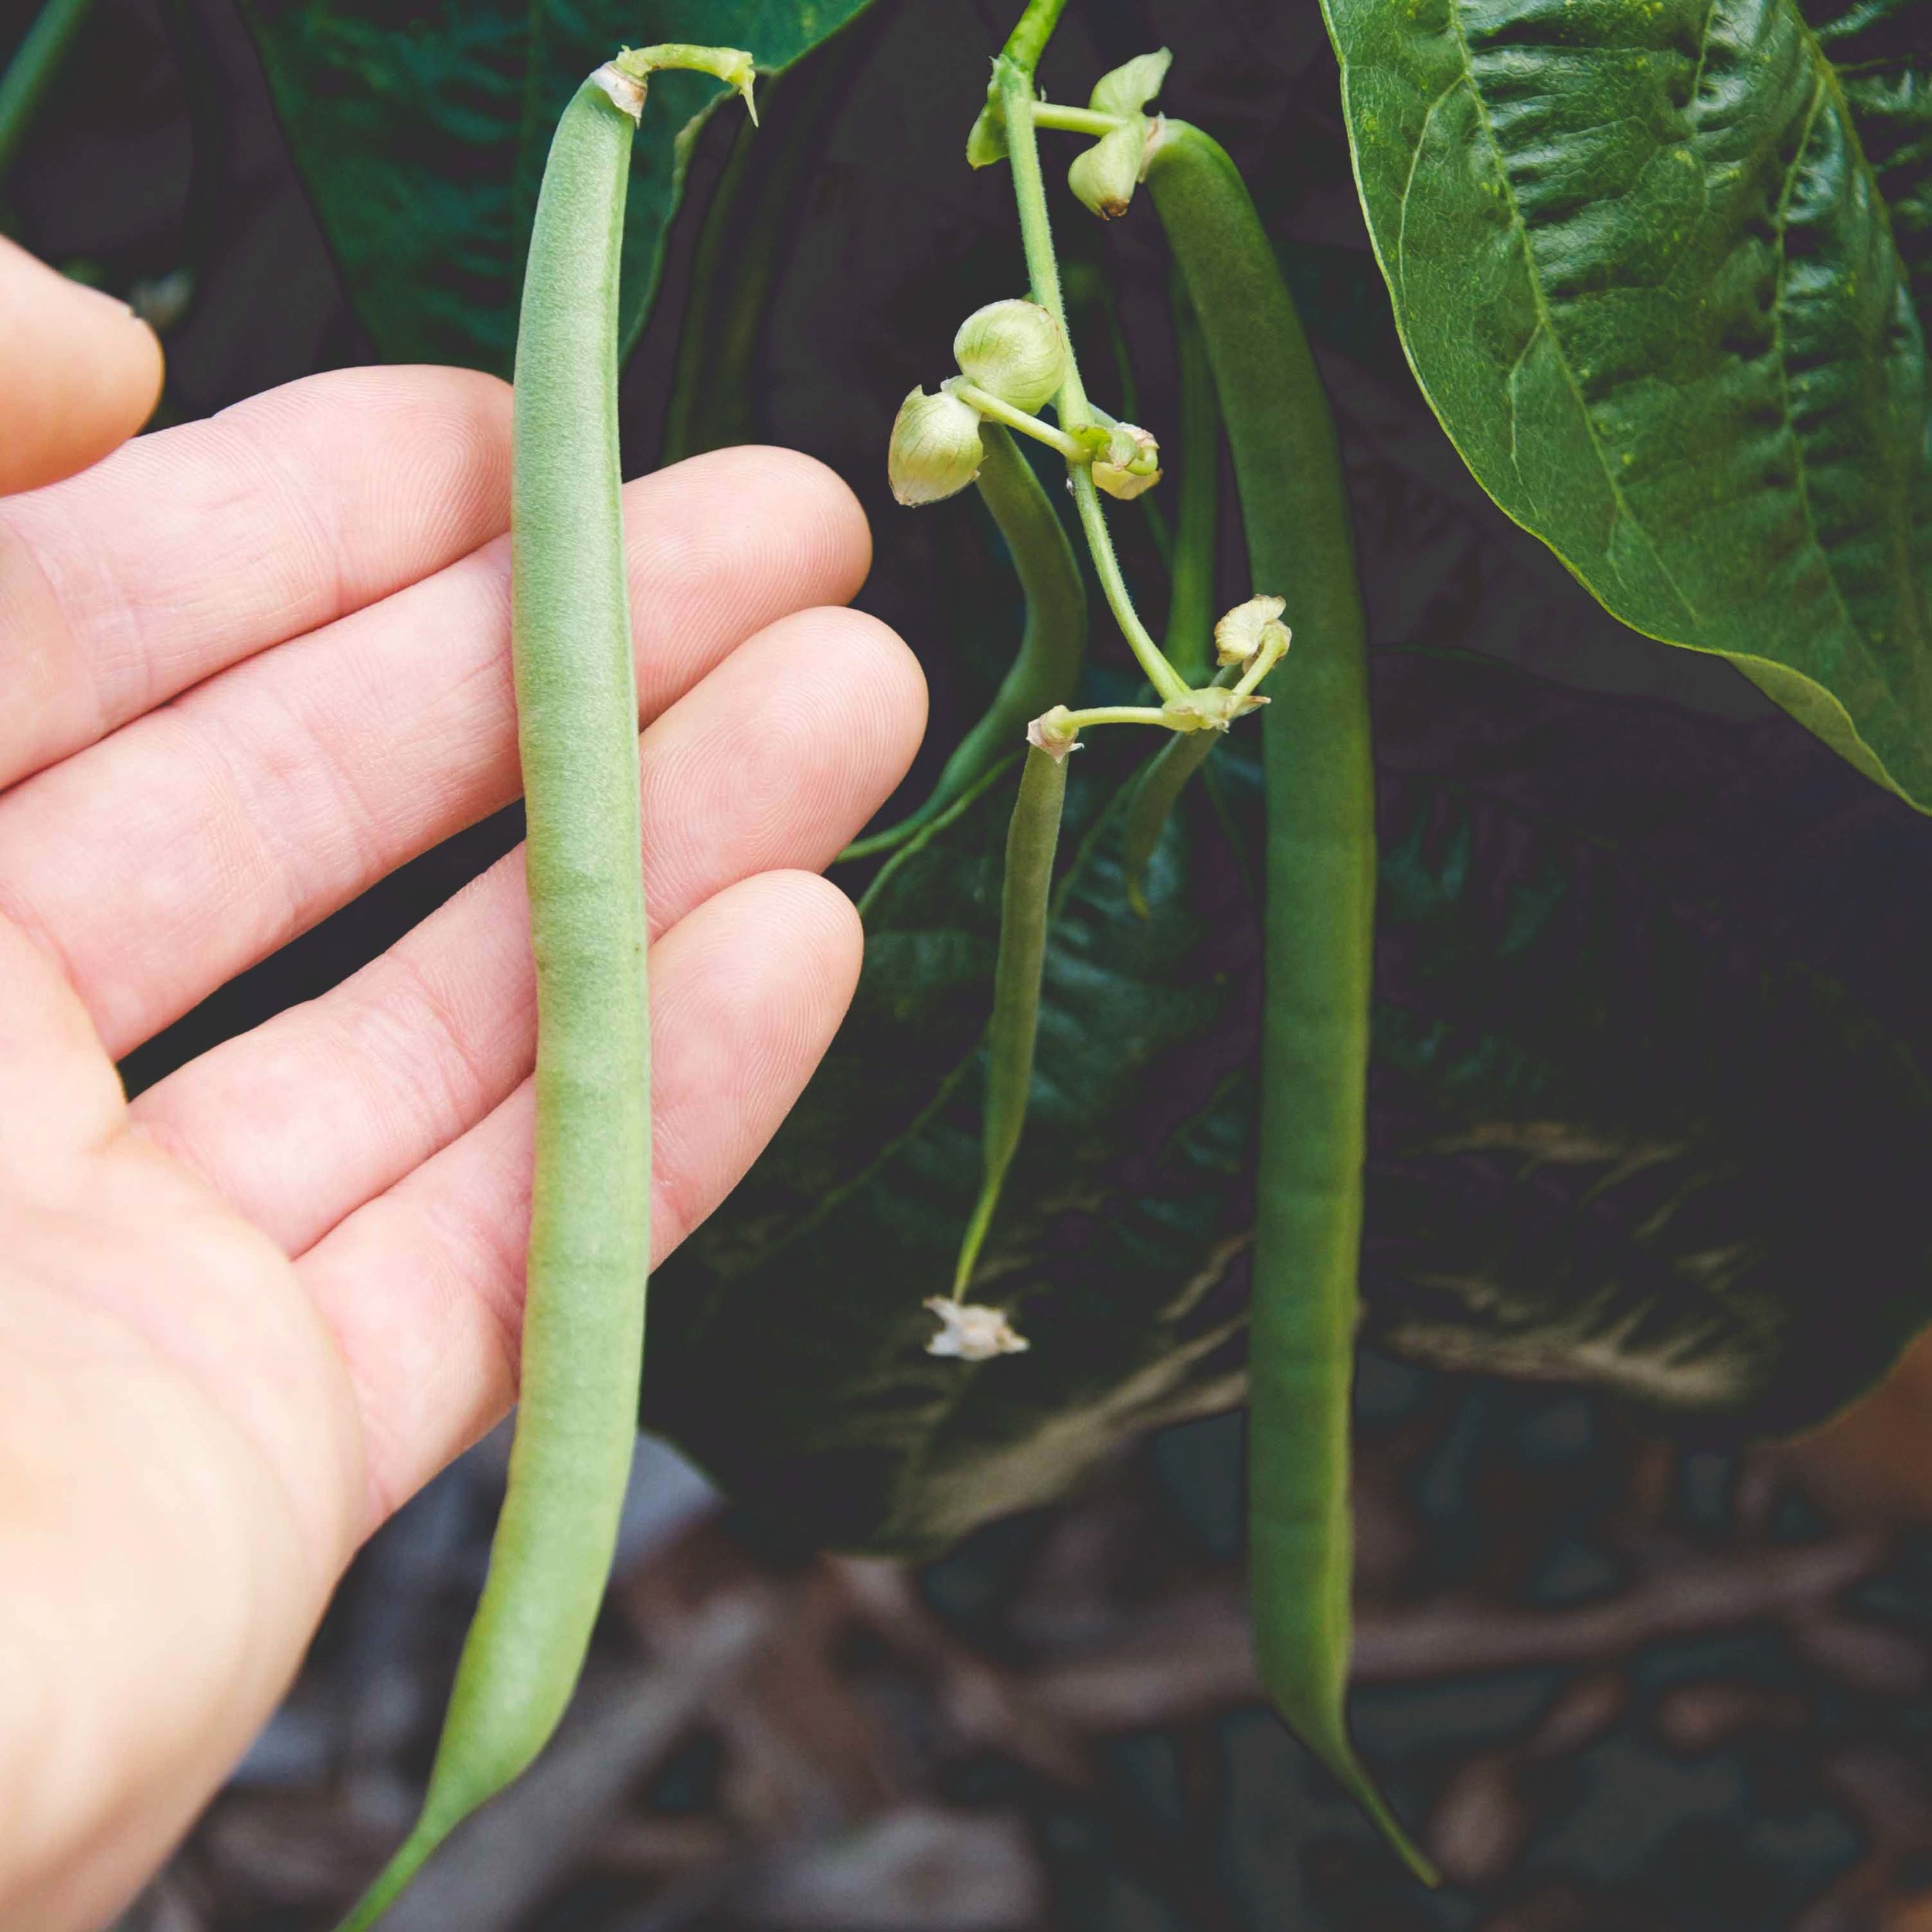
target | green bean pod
[
  {"x": 1156, "y": 791},
  {"x": 1032, "y": 837},
  {"x": 590, "y": 1208},
  {"x": 1319, "y": 934},
  {"x": 1188, "y": 639},
  {"x": 1187, "y": 642},
  {"x": 1052, "y": 647}
]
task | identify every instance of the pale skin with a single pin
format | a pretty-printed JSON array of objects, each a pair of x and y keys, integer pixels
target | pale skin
[{"x": 249, "y": 666}]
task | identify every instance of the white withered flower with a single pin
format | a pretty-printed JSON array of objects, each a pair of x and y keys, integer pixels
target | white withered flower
[
  {"x": 1242, "y": 633},
  {"x": 972, "y": 1333}
]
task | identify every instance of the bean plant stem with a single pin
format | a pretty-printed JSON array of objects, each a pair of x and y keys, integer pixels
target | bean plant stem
[
  {"x": 1099, "y": 542},
  {"x": 1002, "y": 411},
  {"x": 1319, "y": 936},
  {"x": 1013, "y": 84},
  {"x": 1133, "y": 714},
  {"x": 1073, "y": 121}
]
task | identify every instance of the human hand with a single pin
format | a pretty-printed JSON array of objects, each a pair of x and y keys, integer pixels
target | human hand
[{"x": 252, "y": 665}]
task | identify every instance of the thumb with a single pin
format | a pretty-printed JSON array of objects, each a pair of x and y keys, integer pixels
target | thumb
[{"x": 78, "y": 373}]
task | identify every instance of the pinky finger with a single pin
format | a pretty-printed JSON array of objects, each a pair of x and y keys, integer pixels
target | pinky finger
[{"x": 423, "y": 1286}]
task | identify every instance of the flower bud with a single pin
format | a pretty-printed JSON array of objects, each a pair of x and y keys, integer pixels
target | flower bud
[
  {"x": 1242, "y": 632},
  {"x": 1013, "y": 349},
  {"x": 1105, "y": 176},
  {"x": 935, "y": 450},
  {"x": 1132, "y": 463}
]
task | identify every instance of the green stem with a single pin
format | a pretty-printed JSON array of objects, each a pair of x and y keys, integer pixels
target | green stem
[
  {"x": 1002, "y": 411},
  {"x": 1319, "y": 930},
  {"x": 30, "y": 72},
  {"x": 1162, "y": 675},
  {"x": 1013, "y": 88},
  {"x": 1027, "y": 41},
  {"x": 1130, "y": 714},
  {"x": 1073, "y": 121},
  {"x": 1047, "y": 667}
]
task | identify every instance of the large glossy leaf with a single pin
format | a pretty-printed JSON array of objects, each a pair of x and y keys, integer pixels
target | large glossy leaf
[
  {"x": 1648, "y": 1110},
  {"x": 421, "y": 136},
  {"x": 1664, "y": 271}
]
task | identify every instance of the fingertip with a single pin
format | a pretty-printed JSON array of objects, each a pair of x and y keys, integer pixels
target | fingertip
[
  {"x": 828, "y": 539},
  {"x": 80, "y": 372}
]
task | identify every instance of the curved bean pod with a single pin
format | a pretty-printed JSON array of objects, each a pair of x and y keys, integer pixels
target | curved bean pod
[
  {"x": 1319, "y": 938},
  {"x": 1052, "y": 647},
  {"x": 589, "y": 1241},
  {"x": 1186, "y": 642},
  {"x": 1032, "y": 837}
]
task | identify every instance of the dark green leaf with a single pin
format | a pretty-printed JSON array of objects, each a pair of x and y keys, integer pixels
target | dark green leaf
[
  {"x": 1663, "y": 270},
  {"x": 421, "y": 137},
  {"x": 1644, "y": 1112}
]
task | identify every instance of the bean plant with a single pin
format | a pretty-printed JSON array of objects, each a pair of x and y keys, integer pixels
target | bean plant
[
  {"x": 1016, "y": 357},
  {"x": 1703, "y": 385}
]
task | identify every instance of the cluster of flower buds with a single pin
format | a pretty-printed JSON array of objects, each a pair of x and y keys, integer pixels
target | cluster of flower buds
[
  {"x": 1105, "y": 178},
  {"x": 1013, "y": 351},
  {"x": 1012, "y": 360}
]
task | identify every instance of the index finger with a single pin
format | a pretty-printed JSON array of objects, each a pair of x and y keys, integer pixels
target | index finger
[{"x": 189, "y": 550}]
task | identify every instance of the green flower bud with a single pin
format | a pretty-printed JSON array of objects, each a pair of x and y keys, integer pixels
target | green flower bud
[
  {"x": 1105, "y": 176},
  {"x": 1242, "y": 633},
  {"x": 1013, "y": 349},
  {"x": 1132, "y": 463},
  {"x": 935, "y": 450}
]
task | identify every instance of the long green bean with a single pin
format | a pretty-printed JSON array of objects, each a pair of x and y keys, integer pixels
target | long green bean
[
  {"x": 1052, "y": 646},
  {"x": 1319, "y": 939},
  {"x": 1190, "y": 607},
  {"x": 590, "y": 1240},
  {"x": 1032, "y": 838}
]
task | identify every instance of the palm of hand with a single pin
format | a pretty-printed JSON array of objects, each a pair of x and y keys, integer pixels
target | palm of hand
[{"x": 259, "y": 663}]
